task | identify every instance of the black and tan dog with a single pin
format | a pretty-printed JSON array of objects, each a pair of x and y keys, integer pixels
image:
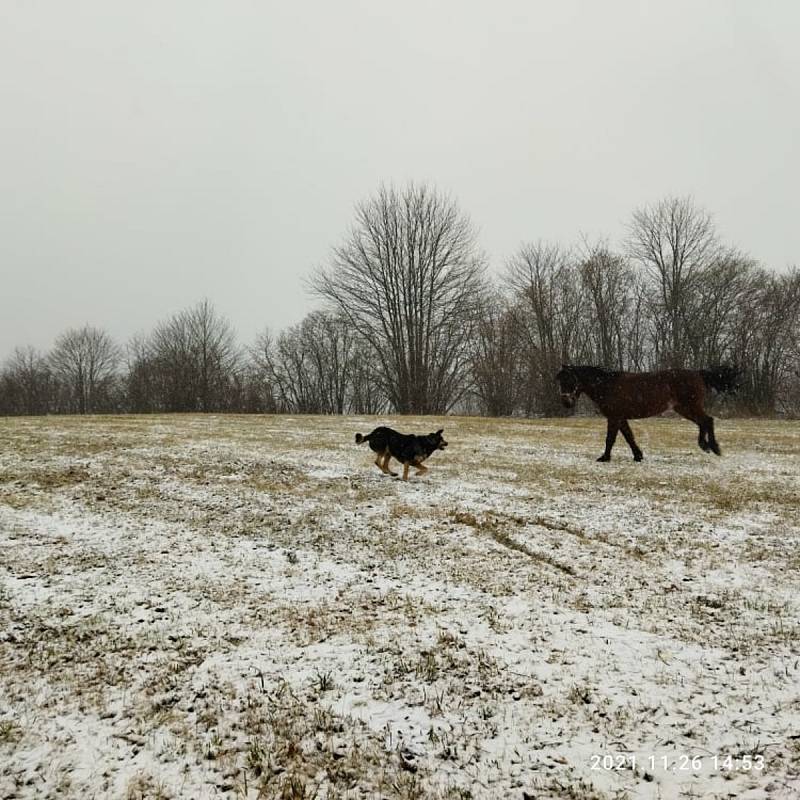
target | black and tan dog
[{"x": 408, "y": 449}]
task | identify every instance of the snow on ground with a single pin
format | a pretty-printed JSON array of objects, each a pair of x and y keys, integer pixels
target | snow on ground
[{"x": 246, "y": 607}]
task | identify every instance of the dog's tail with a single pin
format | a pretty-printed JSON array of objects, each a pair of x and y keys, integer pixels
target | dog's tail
[
  {"x": 360, "y": 438},
  {"x": 723, "y": 379}
]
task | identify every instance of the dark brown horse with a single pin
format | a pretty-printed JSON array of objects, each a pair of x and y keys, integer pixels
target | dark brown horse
[{"x": 621, "y": 396}]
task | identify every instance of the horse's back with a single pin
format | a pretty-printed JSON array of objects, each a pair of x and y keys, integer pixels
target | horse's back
[{"x": 635, "y": 395}]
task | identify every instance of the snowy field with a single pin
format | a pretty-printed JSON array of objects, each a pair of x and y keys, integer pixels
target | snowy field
[{"x": 202, "y": 607}]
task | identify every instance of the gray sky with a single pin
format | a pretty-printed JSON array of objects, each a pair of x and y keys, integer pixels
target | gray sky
[{"x": 156, "y": 153}]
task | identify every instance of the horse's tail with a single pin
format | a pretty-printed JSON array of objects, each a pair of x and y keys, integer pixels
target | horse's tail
[{"x": 723, "y": 378}]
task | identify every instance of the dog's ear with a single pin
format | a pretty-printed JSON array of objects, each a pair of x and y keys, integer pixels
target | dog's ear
[{"x": 440, "y": 432}]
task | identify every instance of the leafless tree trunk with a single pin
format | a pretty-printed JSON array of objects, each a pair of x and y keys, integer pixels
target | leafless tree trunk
[
  {"x": 407, "y": 279},
  {"x": 84, "y": 361}
]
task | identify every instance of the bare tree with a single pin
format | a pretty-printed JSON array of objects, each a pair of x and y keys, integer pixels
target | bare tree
[
  {"x": 791, "y": 401},
  {"x": 194, "y": 357},
  {"x": 26, "y": 383},
  {"x": 141, "y": 378},
  {"x": 215, "y": 355},
  {"x": 726, "y": 288},
  {"x": 331, "y": 343},
  {"x": 609, "y": 304},
  {"x": 311, "y": 365},
  {"x": 262, "y": 394},
  {"x": 170, "y": 354},
  {"x": 639, "y": 328},
  {"x": 263, "y": 361},
  {"x": 674, "y": 242},
  {"x": 498, "y": 368},
  {"x": 407, "y": 279},
  {"x": 84, "y": 362},
  {"x": 766, "y": 342},
  {"x": 286, "y": 365},
  {"x": 367, "y": 395},
  {"x": 549, "y": 313}
]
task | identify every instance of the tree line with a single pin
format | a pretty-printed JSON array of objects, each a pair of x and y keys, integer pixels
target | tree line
[{"x": 412, "y": 322}]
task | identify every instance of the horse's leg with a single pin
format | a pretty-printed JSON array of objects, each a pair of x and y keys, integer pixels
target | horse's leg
[
  {"x": 705, "y": 438},
  {"x": 628, "y": 434},
  {"x": 712, "y": 439},
  {"x": 702, "y": 419},
  {"x": 611, "y": 437}
]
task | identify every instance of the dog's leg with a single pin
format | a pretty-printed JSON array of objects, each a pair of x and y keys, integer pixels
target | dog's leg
[
  {"x": 381, "y": 461},
  {"x": 421, "y": 469},
  {"x": 405, "y": 471},
  {"x": 386, "y": 460}
]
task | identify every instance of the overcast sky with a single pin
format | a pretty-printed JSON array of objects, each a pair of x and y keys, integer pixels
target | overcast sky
[{"x": 156, "y": 153}]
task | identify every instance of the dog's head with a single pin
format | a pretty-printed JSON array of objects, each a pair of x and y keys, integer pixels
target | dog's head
[{"x": 436, "y": 440}]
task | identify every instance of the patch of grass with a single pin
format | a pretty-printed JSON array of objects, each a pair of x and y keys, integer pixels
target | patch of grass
[
  {"x": 580, "y": 789},
  {"x": 48, "y": 479},
  {"x": 18, "y": 497},
  {"x": 580, "y": 694},
  {"x": 494, "y": 527},
  {"x": 323, "y": 681},
  {"x": 296, "y": 749},
  {"x": 90, "y": 656},
  {"x": 144, "y": 785},
  {"x": 10, "y": 732}
]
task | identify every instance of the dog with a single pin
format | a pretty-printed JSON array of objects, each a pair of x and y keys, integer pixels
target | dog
[{"x": 408, "y": 449}]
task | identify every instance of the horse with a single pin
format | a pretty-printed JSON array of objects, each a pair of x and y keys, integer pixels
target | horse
[{"x": 621, "y": 396}]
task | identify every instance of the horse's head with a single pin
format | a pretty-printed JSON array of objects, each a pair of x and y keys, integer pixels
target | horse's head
[{"x": 569, "y": 385}]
